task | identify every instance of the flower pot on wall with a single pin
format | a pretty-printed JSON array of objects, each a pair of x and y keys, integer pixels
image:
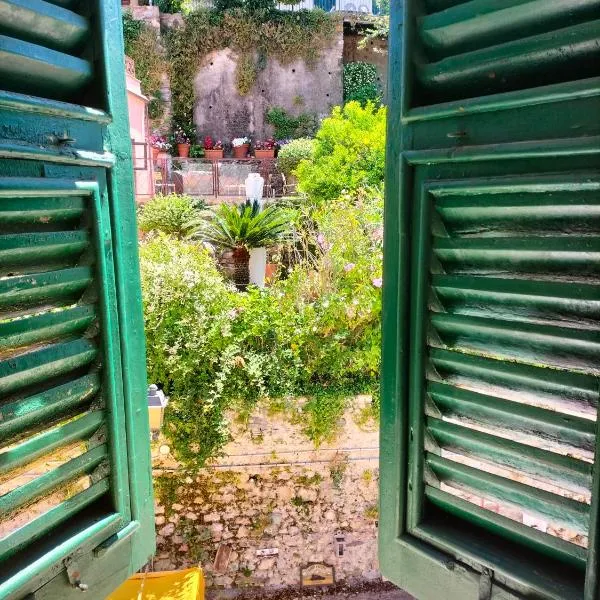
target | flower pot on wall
[
  {"x": 183, "y": 150},
  {"x": 155, "y": 153},
  {"x": 264, "y": 154},
  {"x": 213, "y": 154},
  {"x": 241, "y": 151}
]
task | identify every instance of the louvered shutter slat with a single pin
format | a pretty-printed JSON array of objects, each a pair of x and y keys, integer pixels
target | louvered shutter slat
[
  {"x": 75, "y": 482},
  {"x": 492, "y": 301}
]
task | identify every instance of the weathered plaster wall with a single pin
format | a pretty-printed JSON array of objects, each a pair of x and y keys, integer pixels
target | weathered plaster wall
[
  {"x": 222, "y": 113},
  {"x": 273, "y": 491}
]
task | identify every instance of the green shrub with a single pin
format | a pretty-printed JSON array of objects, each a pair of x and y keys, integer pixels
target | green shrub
[
  {"x": 169, "y": 214},
  {"x": 142, "y": 45},
  {"x": 197, "y": 151},
  {"x": 286, "y": 126},
  {"x": 291, "y": 154},
  {"x": 349, "y": 153},
  {"x": 315, "y": 333},
  {"x": 360, "y": 83},
  {"x": 186, "y": 312}
]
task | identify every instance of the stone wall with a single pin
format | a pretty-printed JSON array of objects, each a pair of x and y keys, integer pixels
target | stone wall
[
  {"x": 273, "y": 505},
  {"x": 220, "y": 111}
]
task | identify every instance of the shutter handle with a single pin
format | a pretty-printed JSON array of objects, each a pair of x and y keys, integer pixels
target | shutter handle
[{"x": 63, "y": 139}]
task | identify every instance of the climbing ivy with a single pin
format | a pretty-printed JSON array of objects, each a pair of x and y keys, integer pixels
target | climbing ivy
[
  {"x": 143, "y": 46},
  {"x": 254, "y": 35}
]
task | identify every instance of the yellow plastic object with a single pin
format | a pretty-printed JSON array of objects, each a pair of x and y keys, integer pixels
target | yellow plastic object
[{"x": 167, "y": 585}]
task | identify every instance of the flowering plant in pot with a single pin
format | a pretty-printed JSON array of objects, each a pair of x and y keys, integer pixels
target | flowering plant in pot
[
  {"x": 159, "y": 144},
  {"x": 240, "y": 146},
  {"x": 213, "y": 150},
  {"x": 265, "y": 149},
  {"x": 182, "y": 141}
]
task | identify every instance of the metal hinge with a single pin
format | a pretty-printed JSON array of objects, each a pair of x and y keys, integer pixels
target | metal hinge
[
  {"x": 485, "y": 584},
  {"x": 74, "y": 574}
]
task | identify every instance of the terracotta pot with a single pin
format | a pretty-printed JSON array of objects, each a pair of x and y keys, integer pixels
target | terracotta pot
[
  {"x": 155, "y": 153},
  {"x": 262, "y": 154},
  {"x": 241, "y": 151},
  {"x": 241, "y": 267},
  {"x": 270, "y": 271},
  {"x": 183, "y": 150},
  {"x": 213, "y": 154}
]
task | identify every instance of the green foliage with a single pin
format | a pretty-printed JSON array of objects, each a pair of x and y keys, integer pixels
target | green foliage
[
  {"x": 337, "y": 470},
  {"x": 197, "y": 151},
  {"x": 252, "y": 33},
  {"x": 169, "y": 214},
  {"x": 349, "y": 153},
  {"x": 245, "y": 226},
  {"x": 142, "y": 45},
  {"x": 245, "y": 74},
  {"x": 323, "y": 412},
  {"x": 131, "y": 31},
  {"x": 186, "y": 310},
  {"x": 292, "y": 154},
  {"x": 315, "y": 333},
  {"x": 360, "y": 83},
  {"x": 288, "y": 127},
  {"x": 171, "y": 6}
]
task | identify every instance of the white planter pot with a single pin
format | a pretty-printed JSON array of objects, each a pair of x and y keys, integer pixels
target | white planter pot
[{"x": 258, "y": 266}]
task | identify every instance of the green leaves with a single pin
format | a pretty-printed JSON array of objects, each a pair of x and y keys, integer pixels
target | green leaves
[
  {"x": 245, "y": 226},
  {"x": 349, "y": 153},
  {"x": 170, "y": 214},
  {"x": 292, "y": 154},
  {"x": 361, "y": 84}
]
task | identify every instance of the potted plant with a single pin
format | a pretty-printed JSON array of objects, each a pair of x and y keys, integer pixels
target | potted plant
[
  {"x": 266, "y": 149},
  {"x": 159, "y": 145},
  {"x": 241, "y": 229},
  {"x": 197, "y": 151},
  {"x": 182, "y": 141},
  {"x": 213, "y": 150},
  {"x": 240, "y": 146}
]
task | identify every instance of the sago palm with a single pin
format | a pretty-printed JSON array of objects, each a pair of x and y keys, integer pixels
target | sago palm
[{"x": 241, "y": 228}]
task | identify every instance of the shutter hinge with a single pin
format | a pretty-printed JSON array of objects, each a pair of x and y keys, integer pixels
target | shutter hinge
[
  {"x": 74, "y": 575},
  {"x": 485, "y": 584}
]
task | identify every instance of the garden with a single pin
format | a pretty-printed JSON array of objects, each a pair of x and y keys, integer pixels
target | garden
[{"x": 309, "y": 340}]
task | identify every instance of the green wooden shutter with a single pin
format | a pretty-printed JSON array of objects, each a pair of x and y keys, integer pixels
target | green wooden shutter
[
  {"x": 76, "y": 506},
  {"x": 492, "y": 300}
]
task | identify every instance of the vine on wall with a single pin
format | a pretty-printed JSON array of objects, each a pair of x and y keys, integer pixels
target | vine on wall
[
  {"x": 254, "y": 36},
  {"x": 143, "y": 46}
]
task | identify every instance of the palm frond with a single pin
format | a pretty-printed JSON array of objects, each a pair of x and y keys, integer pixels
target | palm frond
[{"x": 246, "y": 226}]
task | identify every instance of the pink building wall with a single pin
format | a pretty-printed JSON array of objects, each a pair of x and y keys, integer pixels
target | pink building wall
[{"x": 138, "y": 132}]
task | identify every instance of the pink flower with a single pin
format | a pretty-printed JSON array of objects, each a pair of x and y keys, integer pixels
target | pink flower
[
  {"x": 377, "y": 282},
  {"x": 323, "y": 243},
  {"x": 349, "y": 267}
]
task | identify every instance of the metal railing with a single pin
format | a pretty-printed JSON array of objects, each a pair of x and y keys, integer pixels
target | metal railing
[{"x": 200, "y": 177}]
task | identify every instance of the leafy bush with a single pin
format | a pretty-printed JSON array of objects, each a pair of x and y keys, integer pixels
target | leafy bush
[
  {"x": 360, "y": 83},
  {"x": 142, "y": 45},
  {"x": 186, "y": 311},
  {"x": 132, "y": 29},
  {"x": 170, "y": 214},
  {"x": 291, "y": 154},
  {"x": 286, "y": 126},
  {"x": 315, "y": 334},
  {"x": 349, "y": 153}
]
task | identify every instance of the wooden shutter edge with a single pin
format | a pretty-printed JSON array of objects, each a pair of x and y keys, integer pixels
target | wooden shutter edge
[
  {"x": 403, "y": 558},
  {"x": 128, "y": 282}
]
